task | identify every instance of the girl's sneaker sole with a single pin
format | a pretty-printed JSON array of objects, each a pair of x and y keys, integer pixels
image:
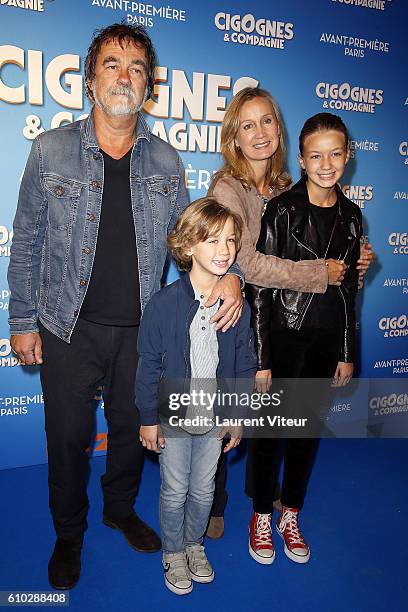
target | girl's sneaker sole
[
  {"x": 292, "y": 556},
  {"x": 259, "y": 559}
]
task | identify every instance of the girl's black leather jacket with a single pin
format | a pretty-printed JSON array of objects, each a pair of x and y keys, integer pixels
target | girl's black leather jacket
[{"x": 289, "y": 231}]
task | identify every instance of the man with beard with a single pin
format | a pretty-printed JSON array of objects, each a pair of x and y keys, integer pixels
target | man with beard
[{"x": 96, "y": 201}]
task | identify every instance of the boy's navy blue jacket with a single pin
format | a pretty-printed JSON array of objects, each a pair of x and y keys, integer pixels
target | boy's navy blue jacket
[{"x": 164, "y": 346}]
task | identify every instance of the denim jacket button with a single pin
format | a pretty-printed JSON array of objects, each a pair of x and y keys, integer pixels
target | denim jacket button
[
  {"x": 59, "y": 191},
  {"x": 166, "y": 189},
  {"x": 90, "y": 217},
  {"x": 86, "y": 250},
  {"x": 82, "y": 282},
  {"x": 96, "y": 156},
  {"x": 76, "y": 312},
  {"x": 95, "y": 184}
]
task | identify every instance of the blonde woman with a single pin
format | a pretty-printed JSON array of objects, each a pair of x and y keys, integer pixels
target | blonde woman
[{"x": 253, "y": 148}]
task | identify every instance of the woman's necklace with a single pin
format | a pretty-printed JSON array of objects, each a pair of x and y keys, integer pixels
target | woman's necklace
[{"x": 265, "y": 199}]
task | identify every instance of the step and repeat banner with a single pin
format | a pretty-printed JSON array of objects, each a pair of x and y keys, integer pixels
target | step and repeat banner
[{"x": 343, "y": 56}]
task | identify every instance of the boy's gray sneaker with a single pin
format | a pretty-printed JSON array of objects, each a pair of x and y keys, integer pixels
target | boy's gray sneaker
[
  {"x": 176, "y": 575},
  {"x": 198, "y": 564}
]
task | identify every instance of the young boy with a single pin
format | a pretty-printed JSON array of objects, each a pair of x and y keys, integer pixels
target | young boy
[{"x": 180, "y": 350}]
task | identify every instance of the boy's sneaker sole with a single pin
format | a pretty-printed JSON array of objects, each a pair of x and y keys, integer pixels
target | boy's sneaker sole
[
  {"x": 177, "y": 590},
  {"x": 202, "y": 579},
  {"x": 258, "y": 558}
]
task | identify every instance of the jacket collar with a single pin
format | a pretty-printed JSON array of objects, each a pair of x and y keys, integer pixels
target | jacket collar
[
  {"x": 302, "y": 197},
  {"x": 89, "y": 134},
  {"x": 301, "y": 222},
  {"x": 186, "y": 285}
]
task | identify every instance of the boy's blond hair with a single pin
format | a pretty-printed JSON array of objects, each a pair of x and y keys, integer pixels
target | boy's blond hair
[{"x": 203, "y": 218}]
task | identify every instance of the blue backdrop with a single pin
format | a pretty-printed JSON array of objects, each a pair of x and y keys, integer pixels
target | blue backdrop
[{"x": 346, "y": 56}]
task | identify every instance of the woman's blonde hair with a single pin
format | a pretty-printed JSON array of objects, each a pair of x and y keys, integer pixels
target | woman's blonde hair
[
  {"x": 203, "y": 218},
  {"x": 235, "y": 163}
]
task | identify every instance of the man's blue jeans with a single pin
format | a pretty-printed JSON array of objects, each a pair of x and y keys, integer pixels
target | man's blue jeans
[{"x": 187, "y": 467}]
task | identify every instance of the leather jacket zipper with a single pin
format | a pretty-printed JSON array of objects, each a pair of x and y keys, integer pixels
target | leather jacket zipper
[
  {"x": 304, "y": 246},
  {"x": 345, "y": 307},
  {"x": 307, "y": 305}
]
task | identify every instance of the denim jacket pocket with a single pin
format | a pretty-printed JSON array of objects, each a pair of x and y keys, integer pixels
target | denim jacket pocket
[
  {"x": 62, "y": 197},
  {"x": 162, "y": 191}
]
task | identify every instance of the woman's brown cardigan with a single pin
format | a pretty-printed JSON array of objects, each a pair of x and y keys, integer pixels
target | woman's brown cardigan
[{"x": 259, "y": 269}]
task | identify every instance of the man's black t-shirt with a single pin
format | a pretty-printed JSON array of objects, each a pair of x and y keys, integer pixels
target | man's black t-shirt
[{"x": 113, "y": 295}]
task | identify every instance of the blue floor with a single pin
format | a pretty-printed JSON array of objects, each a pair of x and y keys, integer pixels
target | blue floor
[{"x": 354, "y": 519}]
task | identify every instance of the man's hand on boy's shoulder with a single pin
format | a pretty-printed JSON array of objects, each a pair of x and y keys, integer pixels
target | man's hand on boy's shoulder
[
  {"x": 228, "y": 289},
  {"x": 151, "y": 437}
]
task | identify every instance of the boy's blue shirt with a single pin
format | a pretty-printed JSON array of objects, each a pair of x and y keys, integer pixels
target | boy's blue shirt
[{"x": 164, "y": 346}]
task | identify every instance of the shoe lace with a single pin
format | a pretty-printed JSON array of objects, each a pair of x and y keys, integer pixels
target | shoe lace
[
  {"x": 178, "y": 565},
  {"x": 291, "y": 527},
  {"x": 263, "y": 533}
]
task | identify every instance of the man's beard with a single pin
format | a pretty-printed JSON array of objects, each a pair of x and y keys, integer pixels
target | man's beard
[{"x": 128, "y": 105}]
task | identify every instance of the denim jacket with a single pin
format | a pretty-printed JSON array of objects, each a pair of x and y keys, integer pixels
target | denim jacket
[
  {"x": 164, "y": 349},
  {"x": 57, "y": 219}
]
